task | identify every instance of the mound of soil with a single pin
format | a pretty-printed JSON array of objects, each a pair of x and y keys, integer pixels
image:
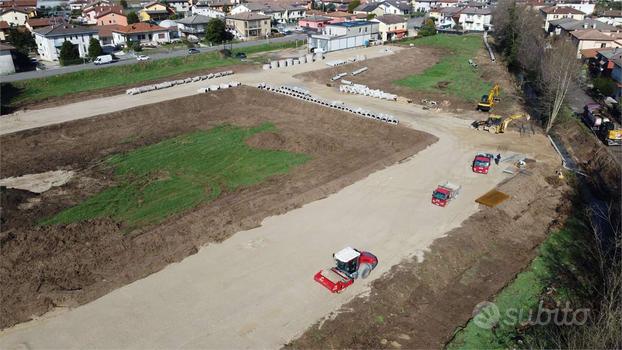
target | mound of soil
[{"x": 66, "y": 265}]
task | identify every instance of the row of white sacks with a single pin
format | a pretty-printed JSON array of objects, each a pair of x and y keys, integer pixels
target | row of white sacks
[
  {"x": 288, "y": 62},
  {"x": 366, "y": 91},
  {"x": 220, "y": 86},
  {"x": 168, "y": 84},
  {"x": 306, "y": 96},
  {"x": 356, "y": 58}
]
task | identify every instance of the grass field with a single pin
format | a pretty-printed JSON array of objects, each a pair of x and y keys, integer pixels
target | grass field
[
  {"x": 160, "y": 180},
  {"x": 34, "y": 90},
  {"x": 453, "y": 68},
  {"x": 519, "y": 301}
]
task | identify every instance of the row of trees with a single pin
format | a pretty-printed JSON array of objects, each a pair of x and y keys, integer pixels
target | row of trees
[{"x": 550, "y": 64}]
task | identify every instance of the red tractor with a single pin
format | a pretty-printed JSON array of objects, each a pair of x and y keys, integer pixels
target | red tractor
[
  {"x": 481, "y": 163},
  {"x": 351, "y": 264}
]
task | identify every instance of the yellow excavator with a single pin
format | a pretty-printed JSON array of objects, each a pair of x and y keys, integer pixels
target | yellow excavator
[
  {"x": 488, "y": 101},
  {"x": 498, "y": 124}
]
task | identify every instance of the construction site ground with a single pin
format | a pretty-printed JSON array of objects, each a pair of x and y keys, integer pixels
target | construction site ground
[{"x": 255, "y": 288}]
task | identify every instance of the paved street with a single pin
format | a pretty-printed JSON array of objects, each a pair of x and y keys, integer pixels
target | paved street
[{"x": 131, "y": 60}]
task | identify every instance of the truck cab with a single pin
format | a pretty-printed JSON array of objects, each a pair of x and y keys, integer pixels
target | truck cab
[
  {"x": 445, "y": 193},
  {"x": 481, "y": 163}
]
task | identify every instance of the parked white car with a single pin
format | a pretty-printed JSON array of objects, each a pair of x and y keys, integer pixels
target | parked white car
[{"x": 142, "y": 58}]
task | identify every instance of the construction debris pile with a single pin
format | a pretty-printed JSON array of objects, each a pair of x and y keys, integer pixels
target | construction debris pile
[
  {"x": 168, "y": 84},
  {"x": 288, "y": 62},
  {"x": 305, "y": 95},
  {"x": 366, "y": 91},
  {"x": 221, "y": 86}
]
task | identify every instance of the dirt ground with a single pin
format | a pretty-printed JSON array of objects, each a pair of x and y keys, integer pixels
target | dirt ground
[
  {"x": 56, "y": 266},
  {"x": 383, "y": 71},
  {"x": 420, "y": 305}
]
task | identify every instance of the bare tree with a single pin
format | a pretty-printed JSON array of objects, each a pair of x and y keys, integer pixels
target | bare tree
[{"x": 558, "y": 68}]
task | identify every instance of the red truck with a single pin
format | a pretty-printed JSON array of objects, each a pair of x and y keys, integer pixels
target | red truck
[
  {"x": 481, "y": 163},
  {"x": 445, "y": 193}
]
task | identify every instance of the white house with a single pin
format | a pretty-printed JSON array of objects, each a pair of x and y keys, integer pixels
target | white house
[
  {"x": 50, "y": 39},
  {"x": 555, "y": 12},
  {"x": 344, "y": 35},
  {"x": 393, "y": 7},
  {"x": 6, "y": 59},
  {"x": 193, "y": 25},
  {"x": 392, "y": 27},
  {"x": 208, "y": 11},
  {"x": 294, "y": 13},
  {"x": 475, "y": 19},
  {"x": 248, "y": 7},
  {"x": 585, "y": 6},
  {"x": 613, "y": 17},
  {"x": 448, "y": 17},
  {"x": 14, "y": 16},
  {"x": 145, "y": 33},
  {"x": 585, "y": 39},
  {"x": 425, "y": 5},
  {"x": 180, "y": 6}
]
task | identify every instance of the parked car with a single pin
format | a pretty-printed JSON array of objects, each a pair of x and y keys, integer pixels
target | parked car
[
  {"x": 142, "y": 58},
  {"x": 193, "y": 51}
]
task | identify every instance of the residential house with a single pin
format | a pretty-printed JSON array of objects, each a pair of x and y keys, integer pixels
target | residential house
[
  {"x": 50, "y": 39},
  {"x": 554, "y": 12},
  {"x": 90, "y": 12},
  {"x": 425, "y": 5},
  {"x": 414, "y": 25},
  {"x": 145, "y": 33},
  {"x": 34, "y": 23},
  {"x": 314, "y": 22},
  {"x": 449, "y": 3},
  {"x": 193, "y": 25},
  {"x": 4, "y": 30},
  {"x": 204, "y": 9},
  {"x": 591, "y": 39},
  {"x": 613, "y": 17},
  {"x": 14, "y": 16},
  {"x": 181, "y": 7},
  {"x": 155, "y": 11},
  {"x": 566, "y": 25},
  {"x": 78, "y": 5},
  {"x": 111, "y": 16},
  {"x": 247, "y": 7},
  {"x": 393, "y": 7},
  {"x": 585, "y": 6},
  {"x": 6, "y": 59},
  {"x": 475, "y": 19},
  {"x": 293, "y": 13},
  {"x": 340, "y": 5},
  {"x": 105, "y": 34},
  {"x": 449, "y": 17},
  {"x": 18, "y": 3},
  {"x": 249, "y": 25},
  {"x": 366, "y": 8},
  {"x": 278, "y": 14},
  {"x": 344, "y": 35},
  {"x": 392, "y": 27},
  {"x": 341, "y": 16}
]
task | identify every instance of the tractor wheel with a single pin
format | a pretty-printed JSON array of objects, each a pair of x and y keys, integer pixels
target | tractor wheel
[{"x": 365, "y": 270}]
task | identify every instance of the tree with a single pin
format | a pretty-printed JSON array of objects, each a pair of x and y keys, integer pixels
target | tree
[
  {"x": 132, "y": 18},
  {"x": 331, "y": 7},
  {"x": 216, "y": 32},
  {"x": 21, "y": 40},
  {"x": 123, "y": 3},
  {"x": 604, "y": 85},
  {"x": 354, "y": 4},
  {"x": 95, "y": 48},
  {"x": 428, "y": 28},
  {"x": 558, "y": 68},
  {"x": 69, "y": 53}
]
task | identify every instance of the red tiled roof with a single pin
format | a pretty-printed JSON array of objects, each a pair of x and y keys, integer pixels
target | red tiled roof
[
  {"x": 4, "y": 25},
  {"x": 43, "y": 22},
  {"x": 591, "y": 34},
  {"x": 139, "y": 28},
  {"x": 105, "y": 31},
  {"x": 589, "y": 53},
  {"x": 561, "y": 10},
  {"x": 18, "y": 3},
  {"x": 117, "y": 10}
]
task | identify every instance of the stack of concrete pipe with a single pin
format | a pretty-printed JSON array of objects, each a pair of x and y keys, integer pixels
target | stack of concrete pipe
[
  {"x": 338, "y": 76},
  {"x": 304, "y": 95},
  {"x": 366, "y": 91},
  {"x": 288, "y": 62},
  {"x": 359, "y": 71},
  {"x": 168, "y": 84},
  {"x": 221, "y": 86}
]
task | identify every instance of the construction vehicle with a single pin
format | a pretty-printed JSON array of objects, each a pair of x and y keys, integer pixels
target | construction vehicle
[
  {"x": 445, "y": 193},
  {"x": 488, "y": 101},
  {"x": 593, "y": 116},
  {"x": 498, "y": 124},
  {"x": 350, "y": 265},
  {"x": 481, "y": 163},
  {"x": 609, "y": 134}
]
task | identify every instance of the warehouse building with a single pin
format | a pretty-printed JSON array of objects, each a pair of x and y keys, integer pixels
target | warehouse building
[{"x": 344, "y": 35}]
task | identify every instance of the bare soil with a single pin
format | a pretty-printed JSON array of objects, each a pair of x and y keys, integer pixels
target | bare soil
[
  {"x": 419, "y": 305},
  {"x": 42, "y": 267}
]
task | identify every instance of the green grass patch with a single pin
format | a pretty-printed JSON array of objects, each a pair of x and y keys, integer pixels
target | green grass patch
[
  {"x": 172, "y": 176},
  {"x": 519, "y": 301},
  {"x": 29, "y": 91},
  {"x": 452, "y": 75}
]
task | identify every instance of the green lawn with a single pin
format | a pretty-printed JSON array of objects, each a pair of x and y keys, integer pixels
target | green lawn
[
  {"x": 157, "y": 181},
  {"x": 463, "y": 80},
  {"x": 522, "y": 295},
  {"x": 34, "y": 90}
]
